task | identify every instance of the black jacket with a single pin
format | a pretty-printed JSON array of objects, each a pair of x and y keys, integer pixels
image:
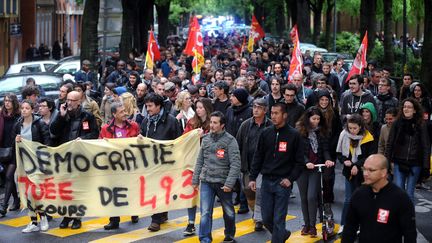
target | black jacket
[
  {"x": 383, "y": 103},
  {"x": 323, "y": 149},
  {"x": 397, "y": 218},
  {"x": 166, "y": 128},
  {"x": 39, "y": 130},
  {"x": 408, "y": 146},
  {"x": 294, "y": 110},
  {"x": 235, "y": 116},
  {"x": 244, "y": 140},
  {"x": 67, "y": 128},
  {"x": 279, "y": 154}
]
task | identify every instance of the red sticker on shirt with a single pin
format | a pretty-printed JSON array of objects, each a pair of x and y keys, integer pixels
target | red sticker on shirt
[
  {"x": 85, "y": 125},
  {"x": 425, "y": 116},
  {"x": 383, "y": 216},
  {"x": 220, "y": 153},
  {"x": 282, "y": 146}
]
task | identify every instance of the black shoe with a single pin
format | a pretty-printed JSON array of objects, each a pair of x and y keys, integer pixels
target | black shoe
[
  {"x": 190, "y": 230},
  {"x": 228, "y": 239},
  {"x": 76, "y": 224},
  {"x": 287, "y": 235},
  {"x": 49, "y": 217},
  {"x": 134, "y": 219},
  {"x": 154, "y": 227},
  {"x": 112, "y": 225},
  {"x": 3, "y": 209},
  {"x": 259, "y": 226},
  {"x": 16, "y": 205},
  {"x": 243, "y": 210},
  {"x": 65, "y": 223}
]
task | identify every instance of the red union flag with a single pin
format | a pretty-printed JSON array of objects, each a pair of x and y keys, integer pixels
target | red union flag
[
  {"x": 153, "y": 53},
  {"x": 360, "y": 59},
  {"x": 255, "y": 34},
  {"x": 296, "y": 65},
  {"x": 194, "y": 45}
]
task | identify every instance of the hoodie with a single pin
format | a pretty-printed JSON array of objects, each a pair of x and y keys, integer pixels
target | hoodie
[{"x": 351, "y": 103}]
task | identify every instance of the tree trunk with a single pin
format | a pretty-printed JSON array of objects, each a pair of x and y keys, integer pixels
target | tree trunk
[
  {"x": 280, "y": 18},
  {"x": 127, "y": 32},
  {"x": 426, "y": 74},
  {"x": 258, "y": 11},
  {"x": 368, "y": 21},
  {"x": 303, "y": 20},
  {"x": 328, "y": 30},
  {"x": 317, "y": 11},
  {"x": 292, "y": 8},
  {"x": 89, "y": 36},
  {"x": 162, "y": 9},
  {"x": 144, "y": 23},
  {"x": 388, "y": 24}
]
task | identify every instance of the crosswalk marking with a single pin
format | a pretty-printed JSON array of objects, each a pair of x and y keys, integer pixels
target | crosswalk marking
[
  {"x": 296, "y": 237},
  {"x": 17, "y": 222},
  {"x": 88, "y": 225},
  {"x": 144, "y": 233},
  {"x": 242, "y": 228}
]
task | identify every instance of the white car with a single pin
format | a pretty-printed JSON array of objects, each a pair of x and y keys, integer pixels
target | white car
[
  {"x": 311, "y": 47},
  {"x": 68, "y": 68},
  {"x": 30, "y": 67}
]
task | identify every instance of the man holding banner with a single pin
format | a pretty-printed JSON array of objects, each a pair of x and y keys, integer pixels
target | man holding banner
[
  {"x": 119, "y": 127},
  {"x": 72, "y": 122},
  {"x": 217, "y": 168},
  {"x": 160, "y": 125}
]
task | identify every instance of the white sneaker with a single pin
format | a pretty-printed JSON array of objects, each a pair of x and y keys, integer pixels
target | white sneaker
[
  {"x": 44, "y": 223},
  {"x": 30, "y": 228},
  {"x": 340, "y": 230}
]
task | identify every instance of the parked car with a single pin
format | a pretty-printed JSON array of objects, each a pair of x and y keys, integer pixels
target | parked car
[
  {"x": 14, "y": 83},
  {"x": 69, "y": 67},
  {"x": 30, "y": 67},
  {"x": 332, "y": 56},
  {"x": 312, "y": 48}
]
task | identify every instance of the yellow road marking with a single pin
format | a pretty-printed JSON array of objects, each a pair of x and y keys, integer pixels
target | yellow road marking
[
  {"x": 18, "y": 222},
  {"x": 88, "y": 225},
  {"x": 242, "y": 228},
  {"x": 144, "y": 233}
]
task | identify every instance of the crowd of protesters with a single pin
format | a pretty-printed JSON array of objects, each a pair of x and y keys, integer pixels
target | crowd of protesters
[{"x": 281, "y": 128}]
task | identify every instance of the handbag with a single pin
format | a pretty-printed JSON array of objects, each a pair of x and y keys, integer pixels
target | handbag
[{"x": 5, "y": 155}]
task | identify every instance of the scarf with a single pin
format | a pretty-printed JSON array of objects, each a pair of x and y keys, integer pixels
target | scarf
[
  {"x": 344, "y": 144},
  {"x": 313, "y": 140},
  {"x": 154, "y": 119}
]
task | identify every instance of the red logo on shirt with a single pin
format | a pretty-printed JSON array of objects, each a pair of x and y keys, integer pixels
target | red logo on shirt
[
  {"x": 220, "y": 153},
  {"x": 283, "y": 146},
  {"x": 85, "y": 125},
  {"x": 426, "y": 116},
  {"x": 383, "y": 216}
]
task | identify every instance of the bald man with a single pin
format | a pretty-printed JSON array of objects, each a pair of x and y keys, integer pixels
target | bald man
[
  {"x": 71, "y": 123},
  {"x": 382, "y": 210}
]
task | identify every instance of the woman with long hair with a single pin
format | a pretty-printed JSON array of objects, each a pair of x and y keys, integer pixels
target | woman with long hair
[
  {"x": 183, "y": 108},
  {"x": 201, "y": 121},
  {"x": 355, "y": 144},
  {"x": 107, "y": 100},
  {"x": 9, "y": 114},
  {"x": 32, "y": 128},
  {"x": 313, "y": 128},
  {"x": 131, "y": 107},
  {"x": 408, "y": 146}
]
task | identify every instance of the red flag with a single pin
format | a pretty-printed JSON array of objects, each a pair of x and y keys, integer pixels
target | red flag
[
  {"x": 153, "y": 53},
  {"x": 195, "y": 39},
  {"x": 296, "y": 65},
  {"x": 360, "y": 59},
  {"x": 255, "y": 34}
]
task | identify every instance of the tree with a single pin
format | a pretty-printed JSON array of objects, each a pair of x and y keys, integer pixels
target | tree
[
  {"x": 163, "y": 11},
  {"x": 316, "y": 6},
  {"x": 329, "y": 14},
  {"x": 128, "y": 30},
  {"x": 426, "y": 74},
  {"x": 368, "y": 21},
  {"x": 388, "y": 34},
  {"x": 89, "y": 37},
  {"x": 303, "y": 20}
]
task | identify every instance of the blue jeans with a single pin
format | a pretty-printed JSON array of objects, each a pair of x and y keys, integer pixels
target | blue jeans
[
  {"x": 274, "y": 208},
  {"x": 410, "y": 179},
  {"x": 349, "y": 189},
  {"x": 208, "y": 192},
  {"x": 191, "y": 214}
]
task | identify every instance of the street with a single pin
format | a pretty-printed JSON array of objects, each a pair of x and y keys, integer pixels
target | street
[{"x": 172, "y": 231}]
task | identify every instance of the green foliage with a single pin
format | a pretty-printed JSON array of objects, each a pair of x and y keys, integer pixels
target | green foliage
[
  {"x": 350, "y": 7},
  {"x": 347, "y": 42},
  {"x": 176, "y": 13}
]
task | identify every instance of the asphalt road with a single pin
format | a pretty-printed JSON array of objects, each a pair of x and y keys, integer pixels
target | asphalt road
[{"x": 92, "y": 230}]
